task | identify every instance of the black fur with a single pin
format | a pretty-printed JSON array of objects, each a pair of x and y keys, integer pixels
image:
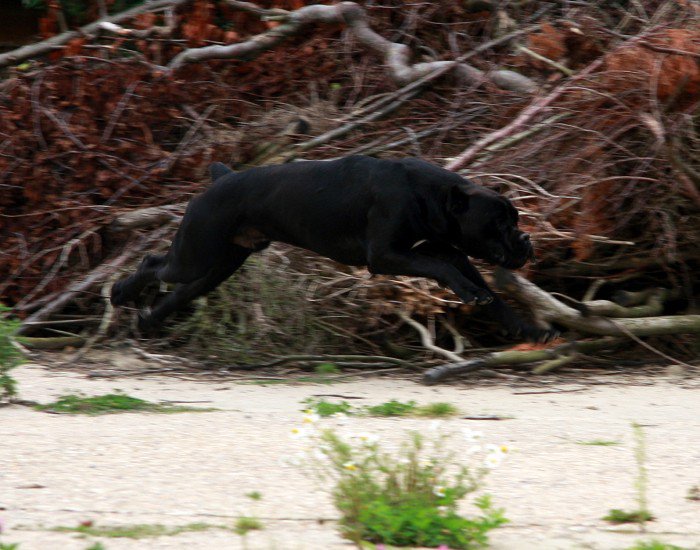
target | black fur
[{"x": 397, "y": 217}]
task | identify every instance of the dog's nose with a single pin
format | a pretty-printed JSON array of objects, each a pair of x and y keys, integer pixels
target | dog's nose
[{"x": 525, "y": 237}]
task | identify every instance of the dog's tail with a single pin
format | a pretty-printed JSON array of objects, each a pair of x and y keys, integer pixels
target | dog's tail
[{"x": 218, "y": 170}]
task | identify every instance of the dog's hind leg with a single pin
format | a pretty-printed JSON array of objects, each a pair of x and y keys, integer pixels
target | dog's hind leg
[
  {"x": 130, "y": 289},
  {"x": 184, "y": 293}
]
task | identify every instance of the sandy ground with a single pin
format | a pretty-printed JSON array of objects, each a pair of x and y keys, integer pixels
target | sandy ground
[{"x": 175, "y": 469}]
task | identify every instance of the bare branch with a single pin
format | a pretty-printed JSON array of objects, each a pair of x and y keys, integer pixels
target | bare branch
[
  {"x": 58, "y": 41},
  {"x": 396, "y": 56},
  {"x": 550, "y": 309}
]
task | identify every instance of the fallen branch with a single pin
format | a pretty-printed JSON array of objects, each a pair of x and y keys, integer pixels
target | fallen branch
[
  {"x": 550, "y": 309},
  {"x": 651, "y": 305},
  {"x": 354, "y": 17},
  {"x": 147, "y": 217},
  {"x": 526, "y": 115},
  {"x": 556, "y": 356},
  {"x": 58, "y": 41},
  {"x": 427, "y": 339},
  {"x": 97, "y": 276},
  {"x": 357, "y": 360}
]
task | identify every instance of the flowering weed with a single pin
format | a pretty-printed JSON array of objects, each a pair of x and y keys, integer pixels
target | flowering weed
[{"x": 408, "y": 497}]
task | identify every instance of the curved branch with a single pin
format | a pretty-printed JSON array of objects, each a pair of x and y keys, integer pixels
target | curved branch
[
  {"x": 353, "y": 16},
  {"x": 58, "y": 41},
  {"x": 427, "y": 339},
  {"x": 549, "y": 308}
]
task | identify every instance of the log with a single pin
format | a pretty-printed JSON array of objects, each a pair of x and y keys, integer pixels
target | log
[
  {"x": 354, "y": 17},
  {"x": 549, "y": 309},
  {"x": 554, "y": 356}
]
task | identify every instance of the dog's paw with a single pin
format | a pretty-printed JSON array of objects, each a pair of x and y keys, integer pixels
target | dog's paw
[
  {"x": 480, "y": 297},
  {"x": 145, "y": 321},
  {"x": 483, "y": 297},
  {"x": 118, "y": 297}
]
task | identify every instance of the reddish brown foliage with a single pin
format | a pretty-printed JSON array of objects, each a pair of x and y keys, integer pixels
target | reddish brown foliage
[
  {"x": 665, "y": 64},
  {"x": 85, "y": 139}
]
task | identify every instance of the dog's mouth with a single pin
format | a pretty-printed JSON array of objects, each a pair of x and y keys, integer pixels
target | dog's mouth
[{"x": 512, "y": 261}]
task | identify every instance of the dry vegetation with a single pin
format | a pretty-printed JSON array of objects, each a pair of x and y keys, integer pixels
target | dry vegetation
[{"x": 599, "y": 148}]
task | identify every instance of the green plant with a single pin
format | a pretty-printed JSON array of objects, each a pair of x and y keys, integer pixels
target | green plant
[
  {"x": 622, "y": 516},
  {"x": 10, "y": 357},
  {"x": 136, "y": 531},
  {"x": 9, "y": 546},
  {"x": 642, "y": 514},
  {"x": 437, "y": 410},
  {"x": 326, "y": 368},
  {"x": 110, "y": 403},
  {"x": 245, "y": 524},
  {"x": 326, "y": 408},
  {"x": 653, "y": 545},
  {"x": 254, "y": 495},
  {"x": 264, "y": 310},
  {"x": 599, "y": 442},
  {"x": 392, "y": 408},
  {"x": 398, "y": 408},
  {"x": 409, "y": 498},
  {"x": 96, "y": 546}
]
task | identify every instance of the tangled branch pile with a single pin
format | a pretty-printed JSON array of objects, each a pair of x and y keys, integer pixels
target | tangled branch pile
[{"x": 598, "y": 147}]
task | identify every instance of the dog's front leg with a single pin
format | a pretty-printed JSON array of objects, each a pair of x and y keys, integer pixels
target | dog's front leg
[
  {"x": 498, "y": 310},
  {"x": 385, "y": 261}
]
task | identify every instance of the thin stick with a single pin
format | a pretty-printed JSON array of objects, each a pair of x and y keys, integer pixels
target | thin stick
[{"x": 427, "y": 339}]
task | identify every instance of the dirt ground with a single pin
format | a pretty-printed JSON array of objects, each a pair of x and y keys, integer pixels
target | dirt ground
[{"x": 177, "y": 469}]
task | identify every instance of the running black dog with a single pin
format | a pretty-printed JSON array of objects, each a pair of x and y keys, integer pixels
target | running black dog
[{"x": 397, "y": 217}]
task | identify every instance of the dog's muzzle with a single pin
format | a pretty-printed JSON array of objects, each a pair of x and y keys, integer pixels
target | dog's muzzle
[{"x": 518, "y": 254}]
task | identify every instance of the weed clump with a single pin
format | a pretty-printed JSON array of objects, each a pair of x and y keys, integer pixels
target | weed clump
[
  {"x": 108, "y": 404},
  {"x": 407, "y": 497},
  {"x": 10, "y": 357}
]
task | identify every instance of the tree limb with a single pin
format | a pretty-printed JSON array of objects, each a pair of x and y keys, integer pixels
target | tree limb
[
  {"x": 354, "y": 17},
  {"x": 553, "y": 357},
  {"x": 550, "y": 309},
  {"x": 92, "y": 29}
]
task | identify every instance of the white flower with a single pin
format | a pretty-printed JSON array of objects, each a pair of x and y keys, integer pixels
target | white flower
[
  {"x": 367, "y": 438},
  {"x": 493, "y": 460},
  {"x": 310, "y": 417},
  {"x": 439, "y": 491},
  {"x": 442, "y": 509},
  {"x": 299, "y": 432},
  {"x": 491, "y": 448},
  {"x": 350, "y": 465},
  {"x": 472, "y": 435}
]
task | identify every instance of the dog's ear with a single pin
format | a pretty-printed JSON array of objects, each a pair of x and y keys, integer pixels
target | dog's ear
[
  {"x": 457, "y": 200},
  {"x": 218, "y": 169}
]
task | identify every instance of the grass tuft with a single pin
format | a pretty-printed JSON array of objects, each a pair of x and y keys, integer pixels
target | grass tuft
[
  {"x": 437, "y": 410},
  {"x": 622, "y": 516},
  {"x": 136, "y": 531},
  {"x": 110, "y": 403},
  {"x": 245, "y": 524},
  {"x": 392, "y": 408}
]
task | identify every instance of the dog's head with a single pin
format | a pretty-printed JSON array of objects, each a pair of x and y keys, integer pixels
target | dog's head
[{"x": 484, "y": 224}]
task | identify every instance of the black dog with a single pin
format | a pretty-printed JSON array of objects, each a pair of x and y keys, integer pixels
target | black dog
[{"x": 397, "y": 217}]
